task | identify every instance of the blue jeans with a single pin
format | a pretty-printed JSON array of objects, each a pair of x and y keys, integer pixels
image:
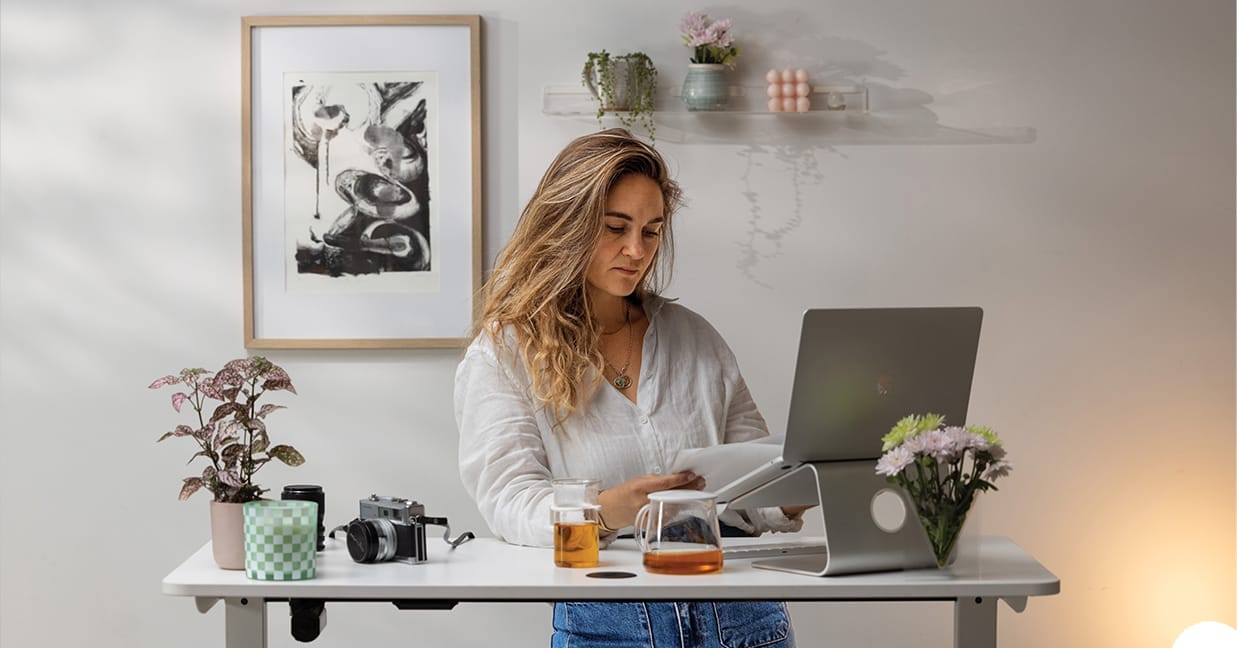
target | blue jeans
[{"x": 724, "y": 624}]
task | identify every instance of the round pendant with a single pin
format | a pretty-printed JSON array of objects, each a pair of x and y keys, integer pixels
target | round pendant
[{"x": 622, "y": 381}]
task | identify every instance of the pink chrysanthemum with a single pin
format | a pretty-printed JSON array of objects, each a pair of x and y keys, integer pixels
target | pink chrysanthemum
[
  {"x": 719, "y": 33},
  {"x": 710, "y": 40},
  {"x": 692, "y": 23}
]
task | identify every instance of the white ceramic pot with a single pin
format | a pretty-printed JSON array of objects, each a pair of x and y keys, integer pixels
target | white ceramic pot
[{"x": 620, "y": 93}]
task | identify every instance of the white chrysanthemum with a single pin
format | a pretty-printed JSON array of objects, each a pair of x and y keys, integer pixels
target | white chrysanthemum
[
  {"x": 894, "y": 461},
  {"x": 966, "y": 440},
  {"x": 998, "y": 470},
  {"x": 940, "y": 445}
]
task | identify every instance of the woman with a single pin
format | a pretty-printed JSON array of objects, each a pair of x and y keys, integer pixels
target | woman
[{"x": 581, "y": 369}]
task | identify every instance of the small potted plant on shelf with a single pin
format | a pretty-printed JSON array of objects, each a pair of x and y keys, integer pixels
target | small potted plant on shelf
[
  {"x": 231, "y": 435},
  {"x": 713, "y": 52},
  {"x": 623, "y": 84}
]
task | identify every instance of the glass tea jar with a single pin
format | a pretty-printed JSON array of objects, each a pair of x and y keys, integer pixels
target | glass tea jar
[{"x": 575, "y": 514}]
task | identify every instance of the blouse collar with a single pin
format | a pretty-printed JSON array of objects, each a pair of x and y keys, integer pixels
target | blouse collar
[{"x": 652, "y": 305}]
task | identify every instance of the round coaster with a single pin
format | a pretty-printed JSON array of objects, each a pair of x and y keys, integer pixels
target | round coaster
[{"x": 610, "y": 574}]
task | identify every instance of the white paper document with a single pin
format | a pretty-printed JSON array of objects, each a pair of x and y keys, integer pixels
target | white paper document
[{"x": 723, "y": 464}]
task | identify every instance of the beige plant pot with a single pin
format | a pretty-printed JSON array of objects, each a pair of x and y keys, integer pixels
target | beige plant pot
[{"x": 227, "y": 534}]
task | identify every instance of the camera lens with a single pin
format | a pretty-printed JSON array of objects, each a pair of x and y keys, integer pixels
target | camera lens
[
  {"x": 309, "y": 493},
  {"x": 371, "y": 540}
]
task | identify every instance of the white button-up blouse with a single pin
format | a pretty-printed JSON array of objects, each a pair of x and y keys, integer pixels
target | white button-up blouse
[{"x": 690, "y": 395}]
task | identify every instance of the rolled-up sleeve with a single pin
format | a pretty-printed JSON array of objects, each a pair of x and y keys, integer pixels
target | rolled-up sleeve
[
  {"x": 743, "y": 419},
  {"x": 502, "y": 457}
]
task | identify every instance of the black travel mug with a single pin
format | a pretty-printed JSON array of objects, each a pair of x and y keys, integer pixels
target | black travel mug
[{"x": 309, "y": 493}]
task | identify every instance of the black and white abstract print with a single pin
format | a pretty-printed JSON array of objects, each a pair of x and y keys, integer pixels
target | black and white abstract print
[{"x": 358, "y": 171}]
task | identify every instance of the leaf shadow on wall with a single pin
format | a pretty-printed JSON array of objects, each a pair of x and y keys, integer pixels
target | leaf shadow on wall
[{"x": 785, "y": 146}]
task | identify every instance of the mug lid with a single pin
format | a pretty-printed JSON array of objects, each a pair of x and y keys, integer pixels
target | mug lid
[{"x": 681, "y": 496}]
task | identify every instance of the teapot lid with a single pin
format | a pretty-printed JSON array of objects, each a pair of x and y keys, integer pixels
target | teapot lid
[{"x": 681, "y": 496}]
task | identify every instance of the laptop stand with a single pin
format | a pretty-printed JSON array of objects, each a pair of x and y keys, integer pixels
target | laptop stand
[{"x": 865, "y": 528}]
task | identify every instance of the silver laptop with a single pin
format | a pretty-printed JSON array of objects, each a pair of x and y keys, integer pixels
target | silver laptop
[{"x": 858, "y": 372}]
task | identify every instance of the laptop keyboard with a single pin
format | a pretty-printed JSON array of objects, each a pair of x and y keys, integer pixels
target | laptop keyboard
[{"x": 772, "y": 549}]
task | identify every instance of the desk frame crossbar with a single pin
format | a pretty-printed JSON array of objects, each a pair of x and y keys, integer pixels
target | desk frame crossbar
[{"x": 246, "y": 621}]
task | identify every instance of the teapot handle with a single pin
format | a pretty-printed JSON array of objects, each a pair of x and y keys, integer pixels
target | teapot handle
[{"x": 640, "y": 532}]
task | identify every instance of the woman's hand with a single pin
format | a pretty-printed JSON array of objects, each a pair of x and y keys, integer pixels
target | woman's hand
[
  {"x": 795, "y": 512},
  {"x": 620, "y": 504}
]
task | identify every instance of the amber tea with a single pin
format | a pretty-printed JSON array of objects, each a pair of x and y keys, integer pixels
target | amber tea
[
  {"x": 575, "y": 544},
  {"x": 683, "y": 562}
]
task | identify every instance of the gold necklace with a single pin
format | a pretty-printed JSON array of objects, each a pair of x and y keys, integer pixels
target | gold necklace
[{"x": 621, "y": 380}]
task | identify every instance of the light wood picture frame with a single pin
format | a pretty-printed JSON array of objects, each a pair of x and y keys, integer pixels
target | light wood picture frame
[{"x": 361, "y": 180}]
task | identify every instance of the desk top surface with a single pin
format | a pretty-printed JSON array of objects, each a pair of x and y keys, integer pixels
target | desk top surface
[{"x": 490, "y": 570}]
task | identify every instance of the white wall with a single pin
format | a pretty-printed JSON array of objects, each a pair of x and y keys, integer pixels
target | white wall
[{"x": 1102, "y": 252}]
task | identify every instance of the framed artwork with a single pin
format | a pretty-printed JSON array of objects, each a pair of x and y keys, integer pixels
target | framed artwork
[{"x": 361, "y": 180}]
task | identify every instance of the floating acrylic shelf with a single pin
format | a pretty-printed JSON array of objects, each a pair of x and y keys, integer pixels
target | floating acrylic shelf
[
  {"x": 574, "y": 100},
  {"x": 747, "y": 119}
]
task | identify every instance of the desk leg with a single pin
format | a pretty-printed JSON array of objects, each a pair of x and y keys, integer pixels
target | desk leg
[
  {"x": 245, "y": 622},
  {"x": 975, "y": 622}
]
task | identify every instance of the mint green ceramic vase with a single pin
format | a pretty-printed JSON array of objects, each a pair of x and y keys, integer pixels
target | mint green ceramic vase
[{"x": 704, "y": 87}]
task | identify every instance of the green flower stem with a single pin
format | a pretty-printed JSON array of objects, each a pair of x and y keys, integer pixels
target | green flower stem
[
  {"x": 955, "y": 481},
  {"x": 937, "y": 486},
  {"x": 925, "y": 496},
  {"x": 945, "y": 502}
]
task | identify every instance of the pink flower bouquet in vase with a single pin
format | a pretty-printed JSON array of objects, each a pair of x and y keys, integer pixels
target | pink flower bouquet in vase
[
  {"x": 942, "y": 469},
  {"x": 713, "y": 51}
]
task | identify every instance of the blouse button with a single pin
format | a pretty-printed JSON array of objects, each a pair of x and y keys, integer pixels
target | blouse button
[{"x": 644, "y": 420}]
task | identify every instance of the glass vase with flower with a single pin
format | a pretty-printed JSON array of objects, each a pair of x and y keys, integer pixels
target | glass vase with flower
[{"x": 942, "y": 469}]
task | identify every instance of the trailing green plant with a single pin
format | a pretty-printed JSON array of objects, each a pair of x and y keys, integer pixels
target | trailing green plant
[{"x": 641, "y": 87}]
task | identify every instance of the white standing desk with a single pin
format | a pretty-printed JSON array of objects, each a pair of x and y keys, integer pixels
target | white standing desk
[{"x": 487, "y": 570}]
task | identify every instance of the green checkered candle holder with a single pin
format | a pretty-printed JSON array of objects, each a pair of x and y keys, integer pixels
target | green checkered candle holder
[{"x": 280, "y": 539}]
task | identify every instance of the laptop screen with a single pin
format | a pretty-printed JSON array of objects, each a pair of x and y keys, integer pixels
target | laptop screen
[{"x": 859, "y": 371}]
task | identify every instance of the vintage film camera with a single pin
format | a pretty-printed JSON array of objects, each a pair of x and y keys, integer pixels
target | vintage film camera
[{"x": 393, "y": 528}]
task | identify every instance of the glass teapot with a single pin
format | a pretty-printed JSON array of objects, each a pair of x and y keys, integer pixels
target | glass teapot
[{"x": 678, "y": 533}]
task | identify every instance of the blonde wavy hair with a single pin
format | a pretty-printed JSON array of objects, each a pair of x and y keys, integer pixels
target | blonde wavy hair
[{"x": 538, "y": 284}]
